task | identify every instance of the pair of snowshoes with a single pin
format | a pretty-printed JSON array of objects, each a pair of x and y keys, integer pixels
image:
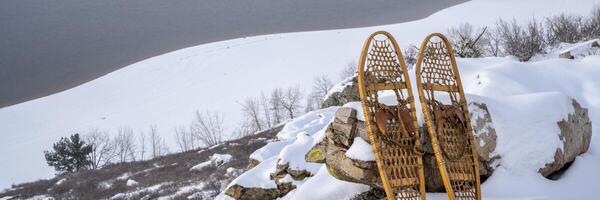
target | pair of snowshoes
[{"x": 392, "y": 121}]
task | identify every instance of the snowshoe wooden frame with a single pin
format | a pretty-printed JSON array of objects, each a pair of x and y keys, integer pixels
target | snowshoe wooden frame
[
  {"x": 395, "y": 143},
  {"x": 452, "y": 139}
]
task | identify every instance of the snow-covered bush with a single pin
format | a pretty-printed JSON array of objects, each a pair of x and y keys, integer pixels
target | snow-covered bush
[{"x": 466, "y": 42}]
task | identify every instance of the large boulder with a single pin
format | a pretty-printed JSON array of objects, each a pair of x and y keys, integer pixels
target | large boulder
[{"x": 575, "y": 134}]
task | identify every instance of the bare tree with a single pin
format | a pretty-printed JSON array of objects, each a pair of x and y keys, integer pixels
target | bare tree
[
  {"x": 125, "y": 144},
  {"x": 102, "y": 148},
  {"x": 264, "y": 103},
  {"x": 185, "y": 139},
  {"x": 142, "y": 142},
  {"x": 251, "y": 108},
  {"x": 291, "y": 101},
  {"x": 157, "y": 143},
  {"x": 208, "y": 128},
  {"x": 276, "y": 106},
  {"x": 313, "y": 102},
  {"x": 322, "y": 85},
  {"x": 349, "y": 71}
]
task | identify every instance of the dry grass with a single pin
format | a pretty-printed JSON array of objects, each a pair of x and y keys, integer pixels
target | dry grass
[{"x": 173, "y": 171}]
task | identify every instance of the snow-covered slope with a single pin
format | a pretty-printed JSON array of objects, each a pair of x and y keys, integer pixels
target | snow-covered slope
[{"x": 165, "y": 90}]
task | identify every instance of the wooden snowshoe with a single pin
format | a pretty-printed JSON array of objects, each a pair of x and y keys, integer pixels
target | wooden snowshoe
[
  {"x": 393, "y": 129},
  {"x": 446, "y": 114}
]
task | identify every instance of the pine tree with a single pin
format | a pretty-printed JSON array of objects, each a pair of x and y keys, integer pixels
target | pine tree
[{"x": 69, "y": 154}]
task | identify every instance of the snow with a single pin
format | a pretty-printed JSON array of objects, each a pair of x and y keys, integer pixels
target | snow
[
  {"x": 339, "y": 87},
  {"x": 324, "y": 186},
  {"x": 130, "y": 195},
  {"x": 259, "y": 176},
  {"x": 220, "y": 159},
  {"x": 215, "y": 160},
  {"x": 41, "y": 197},
  {"x": 61, "y": 181},
  {"x": 269, "y": 150},
  {"x": 131, "y": 183},
  {"x": 167, "y": 89},
  {"x": 360, "y": 150},
  {"x": 307, "y": 123},
  {"x": 293, "y": 154}
]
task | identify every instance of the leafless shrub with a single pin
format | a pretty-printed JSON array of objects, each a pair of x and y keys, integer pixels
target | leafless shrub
[
  {"x": 142, "y": 143},
  {"x": 267, "y": 115},
  {"x": 466, "y": 42},
  {"x": 208, "y": 128},
  {"x": 493, "y": 43},
  {"x": 410, "y": 55},
  {"x": 563, "y": 28},
  {"x": 124, "y": 144},
  {"x": 591, "y": 27},
  {"x": 103, "y": 150},
  {"x": 321, "y": 86},
  {"x": 350, "y": 70},
  {"x": 276, "y": 106},
  {"x": 291, "y": 101},
  {"x": 522, "y": 42},
  {"x": 158, "y": 146},
  {"x": 251, "y": 108},
  {"x": 185, "y": 139}
]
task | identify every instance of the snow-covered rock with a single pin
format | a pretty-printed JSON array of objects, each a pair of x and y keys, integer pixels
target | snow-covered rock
[
  {"x": 575, "y": 135},
  {"x": 215, "y": 160},
  {"x": 131, "y": 183},
  {"x": 342, "y": 93},
  {"x": 581, "y": 50}
]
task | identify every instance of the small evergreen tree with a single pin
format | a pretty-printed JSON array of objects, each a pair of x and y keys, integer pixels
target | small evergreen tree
[{"x": 69, "y": 154}]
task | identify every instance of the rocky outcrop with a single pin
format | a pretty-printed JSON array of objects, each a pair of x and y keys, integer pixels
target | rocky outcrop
[
  {"x": 348, "y": 92},
  {"x": 341, "y": 133},
  {"x": 575, "y": 134}
]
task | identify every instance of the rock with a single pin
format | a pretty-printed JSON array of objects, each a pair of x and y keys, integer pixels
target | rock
[
  {"x": 372, "y": 194},
  {"x": 575, "y": 134},
  {"x": 317, "y": 153},
  {"x": 349, "y": 93},
  {"x": 485, "y": 135},
  {"x": 282, "y": 170},
  {"x": 332, "y": 151},
  {"x": 242, "y": 193},
  {"x": 252, "y": 163},
  {"x": 347, "y": 169}
]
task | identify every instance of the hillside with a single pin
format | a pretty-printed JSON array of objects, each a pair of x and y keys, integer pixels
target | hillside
[
  {"x": 196, "y": 174},
  {"x": 167, "y": 89}
]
